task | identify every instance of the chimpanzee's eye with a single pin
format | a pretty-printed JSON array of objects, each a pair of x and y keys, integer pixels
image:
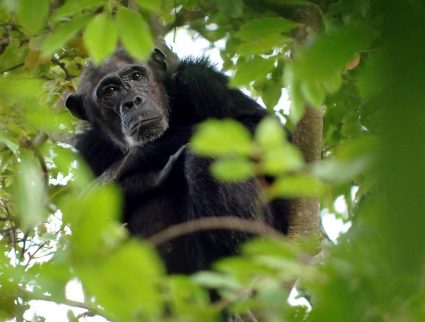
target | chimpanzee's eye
[
  {"x": 136, "y": 76},
  {"x": 110, "y": 89}
]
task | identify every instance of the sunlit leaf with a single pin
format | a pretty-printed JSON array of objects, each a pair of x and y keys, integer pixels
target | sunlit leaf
[
  {"x": 230, "y": 8},
  {"x": 296, "y": 186},
  {"x": 134, "y": 32},
  {"x": 138, "y": 286},
  {"x": 325, "y": 57},
  {"x": 63, "y": 34},
  {"x": 252, "y": 70},
  {"x": 215, "y": 280},
  {"x": 29, "y": 194},
  {"x": 270, "y": 133},
  {"x": 151, "y": 5},
  {"x": 32, "y": 15},
  {"x": 232, "y": 169},
  {"x": 101, "y": 37},
  {"x": 261, "y": 27},
  {"x": 262, "y": 45},
  {"x": 221, "y": 137},
  {"x": 314, "y": 93},
  {"x": 72, "y": 7},
  {"x": 280, "y": 159},
  {"x": 95, "y": 222}
]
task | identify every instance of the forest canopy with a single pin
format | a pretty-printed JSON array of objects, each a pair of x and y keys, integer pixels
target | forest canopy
[{"x": 356, "y": 66}]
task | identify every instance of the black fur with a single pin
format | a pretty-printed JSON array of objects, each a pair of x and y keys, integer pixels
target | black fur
[{"x": 161, "y": 190}]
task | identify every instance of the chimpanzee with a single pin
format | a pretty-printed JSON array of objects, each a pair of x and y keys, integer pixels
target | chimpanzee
[{"x": 140, "y": 118}]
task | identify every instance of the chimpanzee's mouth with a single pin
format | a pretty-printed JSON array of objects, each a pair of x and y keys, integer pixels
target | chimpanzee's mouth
[{"x": 143, "y": 122}]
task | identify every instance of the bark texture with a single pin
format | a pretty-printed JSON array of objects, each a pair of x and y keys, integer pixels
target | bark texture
[{"x": 304, "y": 212}]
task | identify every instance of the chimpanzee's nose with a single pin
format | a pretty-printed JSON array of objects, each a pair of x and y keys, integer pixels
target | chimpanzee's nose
[{"x": 129, "y": 104}]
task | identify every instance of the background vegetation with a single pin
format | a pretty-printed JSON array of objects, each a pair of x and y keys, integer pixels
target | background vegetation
[{"x": 360, "y": 61}]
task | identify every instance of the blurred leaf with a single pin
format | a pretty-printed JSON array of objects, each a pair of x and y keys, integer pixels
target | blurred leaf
[
  {"x": 101, "y": 37},
  {"x": 14, "y": 147},
  {"x": 263, "y": 27},
  {"x": 32, "y": 14},
  {"x": 296, "y": 111},
  {"x": 314, "y": 93},
  {"x": 151, "y": 5},
  {"x": 221, "y": 138},
  {"x": 94, "y": 223},
  {"x": 63, "y": 34},
  {"x": 270, "y": 246},
  {"x": 231, "y": 9},
  {"x": 12, "y": 55},
  {"x": 29, "y": 194},
  {"x": 252, "y": 70},
  {"x": 281, "y": 159},
  {"x": 4, "y": 14},
  {"x": 189, "y": 300},
  {"x": 232, "y": 169},
  {"x": 262, "y": 45},
  {"x": 270, "y": 133},
  {"x": 296, "y": 186},
  {"x": 29, "y": 90},
  {"x": 139, "y": 286},
  {"x": 215, "y": 280},
  {"x": 134, "y": 33},
  {"x": 324, "y": 58},
  {"x": 72, "y": 7},
  {"x": 271, "y": 94}
]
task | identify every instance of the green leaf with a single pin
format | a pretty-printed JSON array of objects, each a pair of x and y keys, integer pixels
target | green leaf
[
  {"x": 95, "y": 221},
  {"x": 296, "y": 111},
  {"x": 296, "y": 186},
  {"x": 72, "y": 7},
  {"x": 313, "y": 92},
  {"x": 29, "y": 194},
  {"x": 231, "y": 9},
  {"x": 32, "y": 14},
  {"x": 62, "y": 34},
  {"x": 12, "y": 146},
  {"x": 270, "y": 133},
  {"x": 13, "y": 54},
  {"x": 101, "y": 37},
  {"x": 252, "y": 70},
  {"x": 325, "y": 57},
  {"x": 271, "y": 93},
  {"x": 258, "y": 28},
  {"x": 215, "y": 280},
  {"x": 134, "y": 33},
  {"x": 232, "y": 169},
  {"x": 262, "y": 45},
  {"x": 4, "y": 14},
  {"x": 151, "y": 5},
  {"x": 221, "y": 138},
  {"x": 281, "y": 159},
  {"x": 138, "y": 286},
  {"x": 188, "y": 298}
]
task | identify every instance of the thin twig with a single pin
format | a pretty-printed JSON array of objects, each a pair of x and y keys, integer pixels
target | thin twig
[
  {"x": 213, "y": 223},
  {"x": 12, "y": 68},
  {"x": 29, "y": 296}
]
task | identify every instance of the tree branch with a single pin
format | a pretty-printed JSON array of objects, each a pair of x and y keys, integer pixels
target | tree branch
[
  {"x": 95, "y": 310},
  {"x": 213, "y": 223}
]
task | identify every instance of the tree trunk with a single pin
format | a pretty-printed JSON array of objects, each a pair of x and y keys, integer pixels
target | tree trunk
[{"x": 304, "y": 212}]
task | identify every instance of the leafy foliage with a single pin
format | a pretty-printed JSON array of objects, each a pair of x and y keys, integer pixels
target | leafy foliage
[{"x": 359, "y": 60}]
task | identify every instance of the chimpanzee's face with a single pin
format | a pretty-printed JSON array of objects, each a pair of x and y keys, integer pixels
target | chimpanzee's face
[
  {"x": 122, "y": 99},
  {"x": 129, "y": 97}
]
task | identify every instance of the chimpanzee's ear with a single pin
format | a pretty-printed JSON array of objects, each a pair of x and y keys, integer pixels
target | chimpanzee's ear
[
  {"x": 158, "y": 59},
  {"x": 74, "y": 103}
]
